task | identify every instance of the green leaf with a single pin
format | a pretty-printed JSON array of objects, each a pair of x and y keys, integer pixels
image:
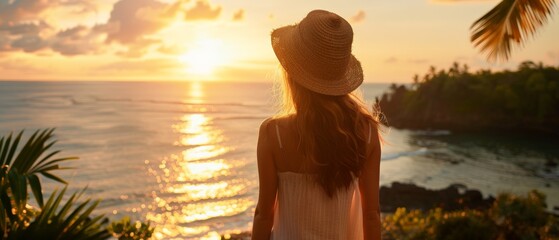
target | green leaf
[
  {"x": 8, "y": 154},
  {"x": 18, "y": 186},
  {"x": 35, "y": 184},
  {"x": 50, "y": 207},
  {"x": 7, "y": 205},
  {"x": 53, "y": 177}
]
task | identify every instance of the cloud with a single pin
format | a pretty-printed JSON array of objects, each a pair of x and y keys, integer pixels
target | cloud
[
  {"x": 202, "y": 10},
  {"x": 81, "y": 6},
  {"x": 131, "y": 20},
  {"x": 22, "y": 10},
  {"x": 132, "y": 26},
  {"x": 5, "y": 42},
  {"x": 391, "y": 60},
  {"x": 28, "y": 37},
  {"x": 239, "y": 15},
  {"x": 22, "y": 36},
  {"x": 358, "y": 17},
  {"x": 29, "y": 43},
  {"x": 76, "y": 41},
  {"x": 23, "y": 28},
  {"x": 418, "y": 61}
]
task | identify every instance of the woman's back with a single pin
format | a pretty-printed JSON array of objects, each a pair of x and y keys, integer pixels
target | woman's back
[
  {"x": 285, "y": 145},
  {"x": 304, "y": 210}
]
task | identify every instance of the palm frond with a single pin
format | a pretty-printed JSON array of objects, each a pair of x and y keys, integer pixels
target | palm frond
[
  {"x": 29, "y": 160},
  {"x": 7, "y": 151},
  {"x": 53, "y": 222},
  {"x": 509, "y": 23},
  {"x": 18, "y": 187},
  {"x": 36, "y": 188}
]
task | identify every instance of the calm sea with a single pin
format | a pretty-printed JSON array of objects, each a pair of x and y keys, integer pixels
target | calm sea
[{"x": 182, "y": 155}]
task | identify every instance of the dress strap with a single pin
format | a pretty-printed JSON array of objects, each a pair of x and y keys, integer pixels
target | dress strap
[
  {"x": 279, "y": 137},
  {"x": 369, "y": 139}
]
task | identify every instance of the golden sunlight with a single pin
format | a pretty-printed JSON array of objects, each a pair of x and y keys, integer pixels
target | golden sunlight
[{"x": 204, "y": 57}]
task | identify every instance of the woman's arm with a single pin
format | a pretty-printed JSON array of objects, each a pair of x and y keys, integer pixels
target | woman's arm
[
  {"x": 369, "y": 187},
  {"x": 264, "y": 214}
]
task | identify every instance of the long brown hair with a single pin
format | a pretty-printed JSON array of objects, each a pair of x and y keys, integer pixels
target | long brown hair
[{"x": 333, "y": 132}]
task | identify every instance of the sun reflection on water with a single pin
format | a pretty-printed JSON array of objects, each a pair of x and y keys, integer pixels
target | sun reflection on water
[
  {"x": 202, "y": 171},
  {"x": 197, "y": 187},
  {"x": 203, "y": 152}
]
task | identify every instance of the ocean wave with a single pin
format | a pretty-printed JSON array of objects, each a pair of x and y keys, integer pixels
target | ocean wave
[
  {"x": 432, "y": 132},
  {"x": 67, "y": 100},
  {"x": 393, "y": 156},
  {"x": 548, "y": 173}
]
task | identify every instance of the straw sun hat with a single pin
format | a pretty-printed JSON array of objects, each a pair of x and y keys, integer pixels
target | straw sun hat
[{"x": 316, "y": 53}]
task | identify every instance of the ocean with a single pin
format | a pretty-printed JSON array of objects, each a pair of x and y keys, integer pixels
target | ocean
[{"x": 183, "y": 154}]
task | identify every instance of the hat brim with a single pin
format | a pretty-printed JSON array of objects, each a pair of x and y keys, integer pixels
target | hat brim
[{"x": 283, "y": 44}]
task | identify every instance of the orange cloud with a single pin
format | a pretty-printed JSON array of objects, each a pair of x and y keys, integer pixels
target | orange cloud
[
  {"x": 202, "y": 10},
  {"x": 76, "y": 41},
  {"x": 358, "y": 17},
  {"x": 131, "y": 20},
  {"x": 239, "y": 15},
  {"x": 132, "y": 24},
  {"x": 22, "y": 10},
  {"x": 23, "y": 27}
]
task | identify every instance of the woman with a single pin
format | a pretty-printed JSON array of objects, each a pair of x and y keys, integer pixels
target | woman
[{"x": 318, "y": 163}]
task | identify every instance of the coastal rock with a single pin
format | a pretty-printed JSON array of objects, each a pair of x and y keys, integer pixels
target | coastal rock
[{"x": 411, "y": 196}]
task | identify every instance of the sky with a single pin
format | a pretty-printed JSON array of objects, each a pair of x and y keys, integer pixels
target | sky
[{"x": 229, "y": 40}]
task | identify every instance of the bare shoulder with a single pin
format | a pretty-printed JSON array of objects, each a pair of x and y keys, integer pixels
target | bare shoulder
[
  {"x": 267, "y": 127},
  {"x": 283, "y": 121},
  {"x": 264, "y": 130},
  {"x": 264, "y": 125}
]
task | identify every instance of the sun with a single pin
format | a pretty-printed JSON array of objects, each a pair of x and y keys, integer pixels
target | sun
[{"x": 203, "y": 57}]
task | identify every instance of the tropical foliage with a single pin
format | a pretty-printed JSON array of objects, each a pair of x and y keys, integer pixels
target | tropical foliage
[
  {"x": 126, "y": 230},
  {"x": 511, "y": 217},
  {"x": 510, "y": 22},
  {"x": 525, "y": 99},
  {"x": 55, "y": 219}
]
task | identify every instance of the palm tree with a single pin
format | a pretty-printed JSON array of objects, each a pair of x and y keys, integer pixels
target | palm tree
[{"x": 509, "y": 23}]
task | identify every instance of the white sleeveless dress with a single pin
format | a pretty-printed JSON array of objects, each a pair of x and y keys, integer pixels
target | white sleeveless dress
[{"x": 305, "y": 212}]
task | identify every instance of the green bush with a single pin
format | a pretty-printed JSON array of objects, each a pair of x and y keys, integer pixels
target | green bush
[
  {"x": 125, "y": 230},
  {"x": 72, "y": 220},
  {"x": 464, "y": 225},
  {"x": 511, "y": 217},
  {"x": 521, "y": 217}
]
